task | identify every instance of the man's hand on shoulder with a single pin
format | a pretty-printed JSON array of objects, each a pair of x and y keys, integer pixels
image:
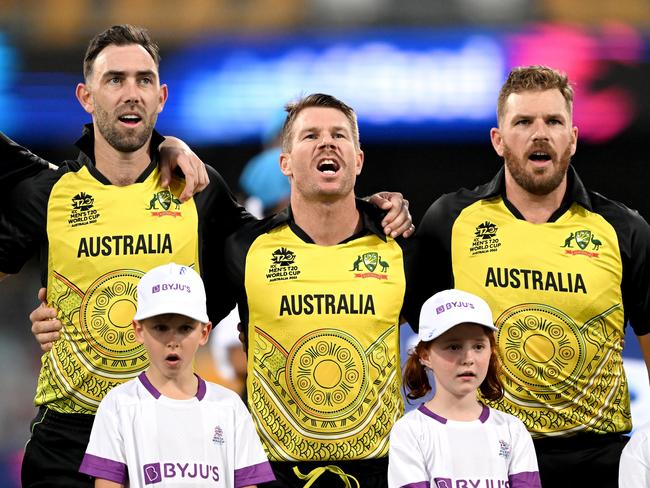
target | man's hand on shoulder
[
  {"x": 398, "y": 219},
  {"x": 175, "y": 153},
  {"x": 45, "y": 326}
]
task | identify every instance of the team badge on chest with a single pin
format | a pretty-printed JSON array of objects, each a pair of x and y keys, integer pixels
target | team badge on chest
[{"x": 371, "y": 261}]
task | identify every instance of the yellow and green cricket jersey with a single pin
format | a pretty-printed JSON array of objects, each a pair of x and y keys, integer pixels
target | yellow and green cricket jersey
[
  {"x": 560, "y": 292},
  {"x": 323, "y": 338},
  {"x": 96, "y": 241}
]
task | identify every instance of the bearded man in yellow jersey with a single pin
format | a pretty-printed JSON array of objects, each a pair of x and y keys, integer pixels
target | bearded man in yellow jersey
[
  {"x": 99, "y": 223},
  {"x": 563, "y": 269},
  {"x": 320, "y": 291}
]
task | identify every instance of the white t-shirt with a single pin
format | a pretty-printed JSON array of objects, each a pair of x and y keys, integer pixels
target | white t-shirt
[
  {"x": 141, "y": 437},
  {"x": 634, "y": 469},
  {"x": 494, "y": 451}
]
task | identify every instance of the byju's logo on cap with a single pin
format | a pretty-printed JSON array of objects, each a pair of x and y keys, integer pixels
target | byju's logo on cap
[
  {"x": 451, "y": 305},
  {"x": 171, "y": 287},
  {"x": 449, "y": 308}
]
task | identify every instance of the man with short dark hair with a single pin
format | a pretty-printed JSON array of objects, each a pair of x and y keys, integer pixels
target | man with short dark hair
[
  {"x": 100, "y": 222},
  {"x": 563, "y": 269}
]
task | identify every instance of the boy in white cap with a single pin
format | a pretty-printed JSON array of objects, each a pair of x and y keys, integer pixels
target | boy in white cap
[
  {"x": 453, "y": 439},
  {"x": 168, "y": 427}
]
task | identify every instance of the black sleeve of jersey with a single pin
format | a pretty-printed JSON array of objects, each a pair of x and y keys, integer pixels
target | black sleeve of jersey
[
  {"x": 16, "y": 163},
  {"x": 221, "y": 216},
  {"x": 23, "y": 221},
  {"x": 235, "y": 252},
  {"x": 16, "y": 247},
  {"x": 428, "y": 258},
  {"x": 634, "y": 242}
]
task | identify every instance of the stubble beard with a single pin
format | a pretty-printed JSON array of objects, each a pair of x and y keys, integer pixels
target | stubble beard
[
  {"x": 123, "y": 140},
  {"x": 537, "y": 183}
]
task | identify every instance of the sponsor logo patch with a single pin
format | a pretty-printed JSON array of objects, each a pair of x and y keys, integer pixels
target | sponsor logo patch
[{"x": 217, "y": 437}]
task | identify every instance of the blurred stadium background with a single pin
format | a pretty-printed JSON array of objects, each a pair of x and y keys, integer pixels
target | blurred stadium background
[{"x": 423, "y": 76}]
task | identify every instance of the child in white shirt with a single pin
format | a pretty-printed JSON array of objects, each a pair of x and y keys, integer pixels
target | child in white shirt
[
  {"x": 168, "y": 427},
  {"x": 453, "y": 439}
]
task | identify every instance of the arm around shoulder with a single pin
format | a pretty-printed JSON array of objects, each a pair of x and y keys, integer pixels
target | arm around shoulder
[{"x": 17, "y": 163}]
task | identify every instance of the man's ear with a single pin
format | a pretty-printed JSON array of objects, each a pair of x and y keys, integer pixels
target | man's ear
[
  {"x": 285, "y": 164},
  {"x": 574, "y": 140},
  {"x": 497, "y": 140},
  {"x": 85, "y": 98},
  {"x": 359, "y": 162},
  {"x": 162, "y": 97}
]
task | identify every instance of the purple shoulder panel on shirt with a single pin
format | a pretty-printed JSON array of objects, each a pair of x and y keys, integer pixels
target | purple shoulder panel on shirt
[
  {"x": 252, "y": 475},
  {"x": 105, "y": 469},
  {"x": 419, "y": 484},
  {"x": 528, "y": 479}
]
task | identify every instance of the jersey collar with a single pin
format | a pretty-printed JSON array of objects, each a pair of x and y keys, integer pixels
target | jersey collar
[
  {"x": 142, "y": 377},
  {"x": 371, "y": 218},
  {"x": 86, "y": 144},
  {"x": 485, "y": 414},
  {"x": 576, "y": 193}
]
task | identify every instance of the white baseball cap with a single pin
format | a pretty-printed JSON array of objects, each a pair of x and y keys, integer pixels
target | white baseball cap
[
  {"x": 448, "y": 308},
  {"x": 171, "y": 288}
]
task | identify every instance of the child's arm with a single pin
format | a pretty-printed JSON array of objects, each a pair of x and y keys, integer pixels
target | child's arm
[
  {"x": 105, "y": 459},
  {"x": 523, "y": 471},
  {"x": 251, "y": 463},
  {"x": 406, "y": 463},
  {"x": 99, "y": 483}
]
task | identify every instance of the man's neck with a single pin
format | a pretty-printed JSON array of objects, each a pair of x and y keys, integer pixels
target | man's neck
[
  {"x": 536, "y": 209},
  {"x": 120, "y": 168},
  {"x": 326, "y": 222}
]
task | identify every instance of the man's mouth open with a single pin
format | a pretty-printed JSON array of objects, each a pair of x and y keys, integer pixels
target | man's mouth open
[{"x": 328, "y": 166}]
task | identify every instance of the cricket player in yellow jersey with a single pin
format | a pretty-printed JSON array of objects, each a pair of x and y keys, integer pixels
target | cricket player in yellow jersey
[
  {"x": 99, "y": 223},
  {"x": 563, "y": 268},
  {"x": 320, "y": 291}
]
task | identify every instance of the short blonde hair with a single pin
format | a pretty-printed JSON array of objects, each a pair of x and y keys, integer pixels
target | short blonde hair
[
  {"x": 317, "y": 100},
  {"x": 534, "y": 78}
]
